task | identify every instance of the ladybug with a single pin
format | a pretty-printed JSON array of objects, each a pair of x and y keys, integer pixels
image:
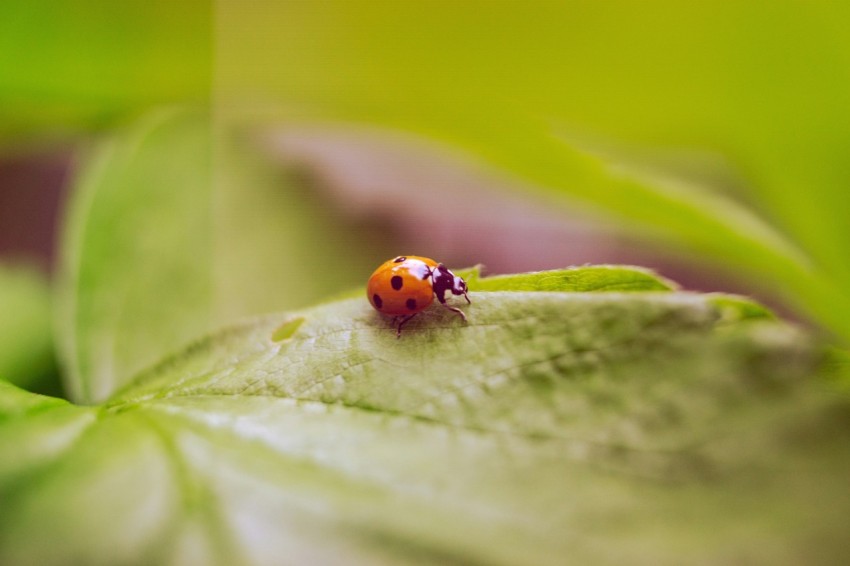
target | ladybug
[{"x": 406, "y": 285}]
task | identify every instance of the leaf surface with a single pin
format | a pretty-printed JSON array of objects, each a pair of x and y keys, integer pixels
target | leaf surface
[{"x": 551, "y": 424}]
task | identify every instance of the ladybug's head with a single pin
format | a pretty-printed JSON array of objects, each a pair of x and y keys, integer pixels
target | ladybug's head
[
  {"x": 459, "y": 286},
  {"x": 445, "y": 281}
]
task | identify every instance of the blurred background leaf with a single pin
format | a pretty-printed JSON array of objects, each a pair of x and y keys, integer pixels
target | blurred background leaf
[
  {"x": 26, "y": 338},
  {"x": 77, "y": 64},
  {"x": 172, "y": 231}
]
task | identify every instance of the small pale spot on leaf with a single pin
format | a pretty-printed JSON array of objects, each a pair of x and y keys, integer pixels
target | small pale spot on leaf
[{"x": 286, "y": 330}]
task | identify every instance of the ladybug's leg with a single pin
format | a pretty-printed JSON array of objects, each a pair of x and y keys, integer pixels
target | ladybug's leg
[
  {"x": 444, "y": 281},
  {"x": 453, "y": 309},
  {"x": 404, "y": 321}
]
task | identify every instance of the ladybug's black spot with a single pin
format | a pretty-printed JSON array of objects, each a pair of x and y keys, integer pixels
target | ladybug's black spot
[
  {"x": 411, "y": 304},
  {"x": 396, "y": 282},
  {"x": 399, "y": 259},
  {"x": 376, "y": 299}
]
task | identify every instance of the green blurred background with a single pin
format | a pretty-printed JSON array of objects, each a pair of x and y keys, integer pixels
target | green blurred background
[{"x": 707, "y": 140}]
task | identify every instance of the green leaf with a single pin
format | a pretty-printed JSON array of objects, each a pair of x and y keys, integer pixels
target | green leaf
[
  {"x": 34, "y": 431},
  {"x": 547, "y": 426},
  {"x": 15, "y": 402},
  {"x": 136, "y": 252},
  {"x": 163, "y": 243},
  {"x": 26, "y": 344},
  {"x": 577, "y": 279}
]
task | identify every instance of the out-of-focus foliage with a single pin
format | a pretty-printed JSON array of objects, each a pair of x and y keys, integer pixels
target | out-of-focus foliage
[
  {"x": 173, "y": 231},
  {"x": 26, "y": 344},
  {"x": 73, "y": 64},
  {"x": 579, "y": 96}
]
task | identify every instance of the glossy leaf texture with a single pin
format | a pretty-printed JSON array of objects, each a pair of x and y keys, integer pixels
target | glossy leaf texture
[{"x": 641, "y": 427}]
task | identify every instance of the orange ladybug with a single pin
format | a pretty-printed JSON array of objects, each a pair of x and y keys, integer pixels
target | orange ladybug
[{"x": 406, "y": 285}]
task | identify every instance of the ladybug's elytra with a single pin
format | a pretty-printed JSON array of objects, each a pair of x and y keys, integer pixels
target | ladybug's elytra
[{"x": 406, "y": 285}]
